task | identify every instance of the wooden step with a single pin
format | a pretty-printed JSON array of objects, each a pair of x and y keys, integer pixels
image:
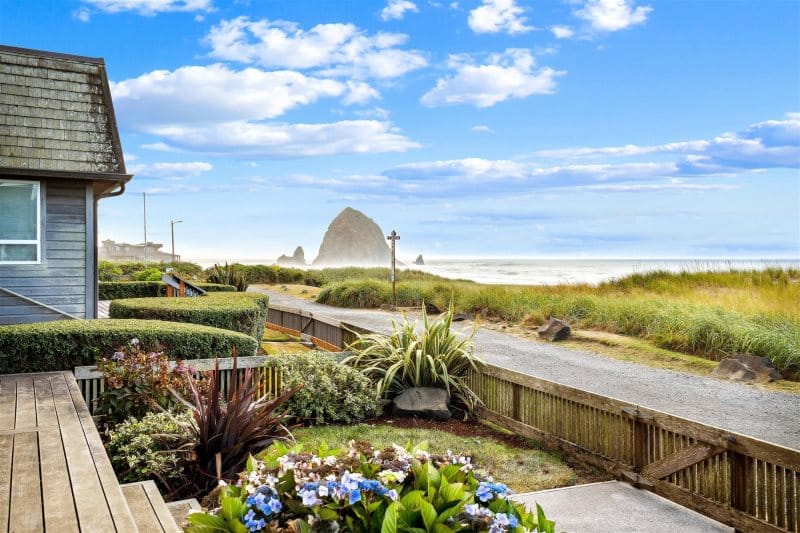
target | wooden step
[
  {"x": 181, "y": 509},
  {"x": 149, "y": 510}
]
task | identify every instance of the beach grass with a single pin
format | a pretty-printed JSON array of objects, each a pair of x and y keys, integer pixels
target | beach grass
[{"x": 712, "y": 314}]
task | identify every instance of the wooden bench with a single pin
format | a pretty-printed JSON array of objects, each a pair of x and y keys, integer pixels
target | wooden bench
[{"x": 54, "y": 472}]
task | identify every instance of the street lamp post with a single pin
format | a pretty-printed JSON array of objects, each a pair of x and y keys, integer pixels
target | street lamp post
[
  {"x": 172, "y": 231},
  {"x": 393, "y": 236}
]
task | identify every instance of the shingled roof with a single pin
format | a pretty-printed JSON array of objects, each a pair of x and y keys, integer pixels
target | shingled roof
[{"x": 57, "y": 118}]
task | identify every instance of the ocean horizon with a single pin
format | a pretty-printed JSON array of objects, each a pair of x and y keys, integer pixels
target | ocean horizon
[{"x": 544, "y": 271}]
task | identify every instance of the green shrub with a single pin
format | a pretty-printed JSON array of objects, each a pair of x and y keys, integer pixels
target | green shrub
[
  {"x": 363, "y": 294},
  {"x": 147, "y": 448},
  {"x": 434, "y": 356},
  {"x": 228, "y": 275},
  {"x": 332, "y": 392},
  {"x": 150, "y": 274},
  {"x": 65, "y": 344},
  {"x": 108, "y": 271},
  {"x": 115, "y": 290},
  {"x": 242, "y": 312}
]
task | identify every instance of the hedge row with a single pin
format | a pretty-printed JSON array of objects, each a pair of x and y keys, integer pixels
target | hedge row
[
  {"x": 115, "y": 290},
  {"x": 65, "y": 344},
  {"x": 242, "y": 312}
]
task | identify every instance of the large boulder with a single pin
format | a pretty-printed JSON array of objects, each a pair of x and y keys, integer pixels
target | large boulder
[
  {"x": 554, "y": 330},
  {"x": 424, "y": 402},
  {"x": 733, "y": 370},
  {"x": 353, "y": 239},
  {"x": 297, "y": 259},
  {"x": 762, "y": 366}
]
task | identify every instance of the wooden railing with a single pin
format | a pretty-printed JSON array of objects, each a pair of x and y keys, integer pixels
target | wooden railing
[
  {"x": 738, "y": 480},
  {"x": 267, "y": 378}
]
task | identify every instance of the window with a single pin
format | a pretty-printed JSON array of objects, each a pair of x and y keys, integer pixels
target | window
[{"x": 19, "y": 222}]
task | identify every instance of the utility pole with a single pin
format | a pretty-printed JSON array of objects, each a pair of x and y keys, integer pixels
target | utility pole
[
  {"x": 172, "y": 231},
  {"x": 144, "y": 209},
  {"x": 393, "y": 236}
]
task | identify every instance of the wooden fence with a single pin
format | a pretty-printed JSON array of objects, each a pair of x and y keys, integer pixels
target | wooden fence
[
  {"x": 267, "y": 378},
  {"x": 738, "y": 480}
]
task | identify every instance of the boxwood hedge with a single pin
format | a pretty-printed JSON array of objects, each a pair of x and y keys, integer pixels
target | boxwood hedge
[
  {"x": 242, "y": 312},
  {"x": 65, "y": 344},
  {"x": 115, "y": 290}
]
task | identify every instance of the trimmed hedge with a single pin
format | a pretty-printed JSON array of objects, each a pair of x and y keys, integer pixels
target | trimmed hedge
[
  {"x": 242, "y": 312},
  {"x": 65, "y": 344},
  {"x": 115, "y": 290}
]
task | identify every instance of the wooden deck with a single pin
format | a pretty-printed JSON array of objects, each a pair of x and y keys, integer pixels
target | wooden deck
[
  {"x": 54, "y": 472},
  {"x": 148, "y": 507}
]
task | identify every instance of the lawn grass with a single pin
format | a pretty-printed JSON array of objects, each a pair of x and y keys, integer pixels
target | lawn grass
[
  {"x": 522, "y": 469},
  {"x": 271, "y": 335},
  {"x": 281, "y": 347},
  {"x": 306, "y": 292},
  {"x": 711, "y": 314}
]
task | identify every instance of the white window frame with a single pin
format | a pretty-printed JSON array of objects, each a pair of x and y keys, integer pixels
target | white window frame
[{"x": 38, "y": 241}]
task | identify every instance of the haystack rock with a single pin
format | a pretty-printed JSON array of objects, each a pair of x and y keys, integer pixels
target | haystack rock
[
  {"x": 298, "y": 258},
  {"x": 353, "y": 239},
  {"x": 419, "y": 260}
]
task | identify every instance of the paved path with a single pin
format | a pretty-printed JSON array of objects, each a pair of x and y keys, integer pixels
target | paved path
[
  {"x": 618, "y": 507},
  {"x": 770, "y": 416}
]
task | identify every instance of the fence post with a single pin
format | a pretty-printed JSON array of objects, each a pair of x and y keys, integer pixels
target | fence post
[{"x": 739, "y": 477}]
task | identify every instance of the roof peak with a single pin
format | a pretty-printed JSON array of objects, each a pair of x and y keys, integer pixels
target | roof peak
[{"x": 50, "y": 55}]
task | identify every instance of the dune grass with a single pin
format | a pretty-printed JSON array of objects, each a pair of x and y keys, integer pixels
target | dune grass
[
  {"x": 522, "y": 469},
  {"x": 712, "y": 314}
]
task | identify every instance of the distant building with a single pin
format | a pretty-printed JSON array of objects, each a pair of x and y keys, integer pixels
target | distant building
[
  {"x": 123, "y": 252},
  {"x": 59, "y": 155}
]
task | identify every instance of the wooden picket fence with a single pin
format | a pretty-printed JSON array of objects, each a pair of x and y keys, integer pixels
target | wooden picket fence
[{"x": 738, "y": 480}]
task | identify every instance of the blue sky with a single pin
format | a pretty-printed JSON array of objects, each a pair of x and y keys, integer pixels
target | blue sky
[{"x": 576, "y": 128}]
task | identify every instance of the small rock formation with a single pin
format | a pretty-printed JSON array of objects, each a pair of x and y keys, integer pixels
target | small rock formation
[
  {"x": 762, "y": 366},
  {"x": 298, "y": 258},
  {"x": 554, "y": 330},
  {"x": 353, "y": 239},
  {"x": 419, "y": 260},
  {"x": 424, "y": 402},
  {"x": 734, "y": 370}
]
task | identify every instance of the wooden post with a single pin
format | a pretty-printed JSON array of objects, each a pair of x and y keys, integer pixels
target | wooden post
[
  {"x": 393, "y": 236},
  {"x": 739, "y": 477},
  {"x": 182, "y": 290}
]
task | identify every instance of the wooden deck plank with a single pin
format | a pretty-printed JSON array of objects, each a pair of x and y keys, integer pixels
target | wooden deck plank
[
  {"x": 26, "y": 404},
  {"x": 120, "y": 513},
  {"x": 58, "y": 500},
  {"x": 8, "y": 402},
  {"x": 6, "y": 456},
  {"x": 160, "y": 507},
  {"x": 45, "y": 405},
  {"x": 141, "y": 509},
  {"x": 26, "y": 496},
  {"x": 90, "y": 502}
]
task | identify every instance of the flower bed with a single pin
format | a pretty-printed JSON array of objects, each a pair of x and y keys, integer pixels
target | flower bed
[{"x": 362, "y": 489}]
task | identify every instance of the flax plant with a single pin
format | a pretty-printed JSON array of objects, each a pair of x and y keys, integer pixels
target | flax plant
[{"x": 433, "y": 356}]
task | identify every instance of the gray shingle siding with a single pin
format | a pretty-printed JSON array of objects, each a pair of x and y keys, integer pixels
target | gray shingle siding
[
  {"x": 61, "y": 279},
  {"x": 54, "y": 115}
]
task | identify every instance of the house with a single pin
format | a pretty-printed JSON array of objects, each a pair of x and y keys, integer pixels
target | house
[
  {"x": 149, "y": 252},
  {"x": 60, "y": 154}
]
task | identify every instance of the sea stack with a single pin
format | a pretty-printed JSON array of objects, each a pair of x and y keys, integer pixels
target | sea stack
[
  {"x": 353, "y": 239},
  {"x": 298, "y": 258},
  {"x": 419, "y": 260}
]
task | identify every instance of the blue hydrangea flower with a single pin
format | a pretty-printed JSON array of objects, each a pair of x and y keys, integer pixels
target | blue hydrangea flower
[{"x": 355, "y": 496}]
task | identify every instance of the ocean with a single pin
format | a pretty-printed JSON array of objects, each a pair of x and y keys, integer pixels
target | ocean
[
  {"x": 556, "y": 271},
  {"x": 593, "y": 271}
]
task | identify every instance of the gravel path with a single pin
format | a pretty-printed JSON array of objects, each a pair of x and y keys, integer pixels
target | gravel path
[{"x": 766, "y": 415}]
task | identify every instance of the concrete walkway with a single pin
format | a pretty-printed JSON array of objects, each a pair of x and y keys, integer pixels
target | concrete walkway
[
  {"x": 618, "y": 507},
  {"x": 770, "y": 416}
]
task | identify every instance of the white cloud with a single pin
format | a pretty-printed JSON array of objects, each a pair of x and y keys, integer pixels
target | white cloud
[
  {"x": 622, "y": 151},
  {"x": 656, "y": 187},
  {"x": 496, "y": 16},
  {"x": 174, "y": 171},
  {"x": 278, "y": 140},
  {"x": 511, "y": 74},
  {"x": 338, "y": 49},
  {"x": 82, "y": 14},
  {"x": 482, "y": 128},
  {"x": 396, "y": 9},
  {"x": 217, "y": 93},
  {"x": 359, "y": 92},
  {"x": 376, "y": 112},
  {"x": 612, "y": 15},
  {"x": 160, "y": 147},
  {"x": 562, "y": 32},
  {"x": 150, "y": 7}
]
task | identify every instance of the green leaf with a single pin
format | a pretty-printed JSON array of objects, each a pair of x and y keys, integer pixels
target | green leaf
[
  {"x": 389, "y": 524},
  {"x": 202, "y": 523},
  {"x": 429, "y": 514}
]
